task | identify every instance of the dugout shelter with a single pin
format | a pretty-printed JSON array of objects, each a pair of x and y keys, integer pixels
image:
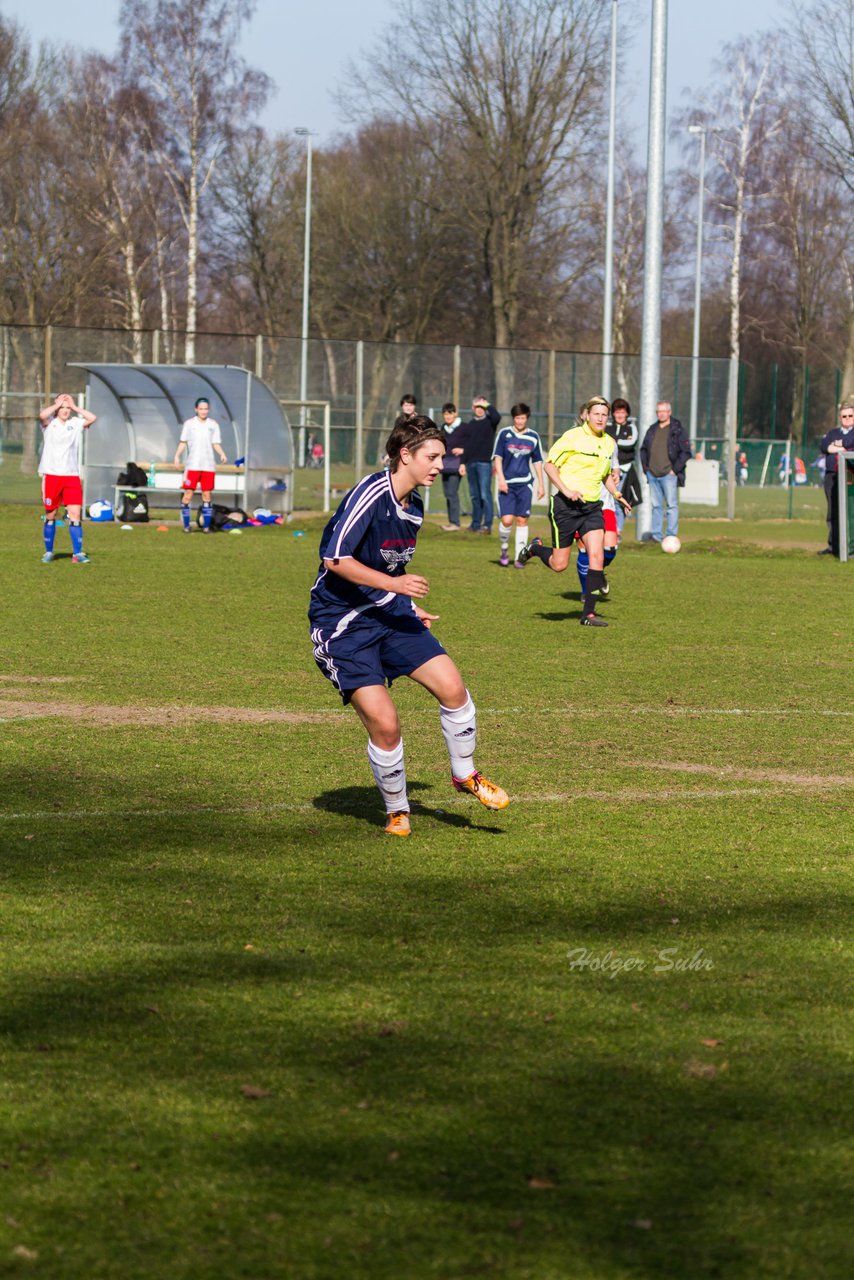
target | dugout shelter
[{"x": 141, "y": 409}]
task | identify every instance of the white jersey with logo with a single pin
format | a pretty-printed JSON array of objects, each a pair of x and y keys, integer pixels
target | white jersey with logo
[
  {"x": 200, "y": 438},
  {"x": 61, "y": 447}
]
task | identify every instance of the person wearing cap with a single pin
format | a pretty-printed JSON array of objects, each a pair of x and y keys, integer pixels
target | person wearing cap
[
  {"x": 477, "y": 437},
  {"x": 201, "y": 437}
]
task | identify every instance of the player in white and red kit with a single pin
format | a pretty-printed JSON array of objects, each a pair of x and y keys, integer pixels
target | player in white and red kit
[
  {"x": 63, "y": 424},
  {"x": 201, "y": 437}
]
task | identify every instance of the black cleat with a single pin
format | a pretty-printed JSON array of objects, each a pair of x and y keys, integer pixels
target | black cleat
[
  {"x": 526, "y": 552},
  {"x": 605, "y": 588},
  {"x": 593, "y": 620}
]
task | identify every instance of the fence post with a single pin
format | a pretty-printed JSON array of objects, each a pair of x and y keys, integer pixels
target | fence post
[
  {"x": 48, "y": 355},
  {"x": 360, "y": 409},
  {"x": 155, "y": 346},
  {"x": 259, "y": 356},
  {"x": 455, "y": 377},
  {"x": 551, "y": 397}
]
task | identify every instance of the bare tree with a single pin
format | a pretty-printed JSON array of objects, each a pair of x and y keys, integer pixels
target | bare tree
[
  {"x": 823, "y": 50},
  {"x": 182, "y": 53},
  {"x": 742, "y": 118},
  {"x": 512, "y": 89},
  {"x": 823, "y": 55},
  {"x": 258, "y": 245}
]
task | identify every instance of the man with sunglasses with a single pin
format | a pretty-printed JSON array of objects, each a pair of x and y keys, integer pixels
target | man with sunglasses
[{"x": 836, "y": 440}]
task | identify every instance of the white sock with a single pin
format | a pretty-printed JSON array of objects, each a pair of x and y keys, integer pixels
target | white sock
[
  {"x": 459, "y": 728},
  {"x": 521, "y": 538},
  {"x": 504, "y": 536},
  {"x": 390, "y": 776}
]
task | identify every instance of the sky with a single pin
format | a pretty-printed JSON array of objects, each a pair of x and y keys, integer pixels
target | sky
[{"x": 304, "y": 47}]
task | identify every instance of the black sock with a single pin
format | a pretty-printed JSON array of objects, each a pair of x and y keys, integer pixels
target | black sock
[
  {"x": 595, "y": 578},
  {"x": 545, "y": 554}
]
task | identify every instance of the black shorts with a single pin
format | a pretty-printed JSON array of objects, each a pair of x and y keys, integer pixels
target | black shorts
[{"x": 571, "y": 518}]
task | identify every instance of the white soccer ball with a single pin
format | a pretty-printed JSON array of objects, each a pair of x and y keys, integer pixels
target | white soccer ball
[{"x": 671, "y": 544}]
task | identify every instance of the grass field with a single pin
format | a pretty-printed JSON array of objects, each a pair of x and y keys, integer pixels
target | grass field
[{"x": 601, "y": 1034}]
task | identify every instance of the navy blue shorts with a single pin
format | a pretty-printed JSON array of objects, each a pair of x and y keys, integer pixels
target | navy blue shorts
[
  {"x": 516, "y": 501},
  {"x": 360, "y": 649}
]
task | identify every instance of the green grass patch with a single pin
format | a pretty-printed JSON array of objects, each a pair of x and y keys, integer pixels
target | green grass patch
[{"x": 599, "y": 1035}]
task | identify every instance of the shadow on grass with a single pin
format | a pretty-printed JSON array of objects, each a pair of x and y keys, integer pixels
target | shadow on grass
[{"x": 362, "y": 803}]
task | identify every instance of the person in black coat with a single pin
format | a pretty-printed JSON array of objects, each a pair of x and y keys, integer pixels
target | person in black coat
[
  {"x": 834, "y": 437},
  {"x": 664, "y": 455},
  {"x": 476, "y": 440}
]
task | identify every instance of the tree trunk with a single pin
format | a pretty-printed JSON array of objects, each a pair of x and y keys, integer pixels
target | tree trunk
[{"x": 192, "y": 265}]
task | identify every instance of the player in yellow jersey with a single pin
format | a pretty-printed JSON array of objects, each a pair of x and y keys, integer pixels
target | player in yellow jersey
[{"x": 579, "y": 463}]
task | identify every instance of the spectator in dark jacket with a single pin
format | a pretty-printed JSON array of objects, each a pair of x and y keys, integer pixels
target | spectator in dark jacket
[
  {"x": 477, "y": 437},
  {"x": 664, "y": 454},
  {"x": 831, "y": 463},
  {"x": 843, "y": 442},
  {"x": 453, "y": 468}
]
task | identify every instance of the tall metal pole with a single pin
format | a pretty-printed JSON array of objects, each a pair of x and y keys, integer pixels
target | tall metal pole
[
  {"x": 608, "y": 306},
  {"x": 306, "y": 261},
  {"x": 698, "y": 286},
  {"x": 653, "y": 248}
]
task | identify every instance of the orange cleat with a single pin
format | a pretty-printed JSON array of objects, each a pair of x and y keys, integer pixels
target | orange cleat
[
  {"x": 483, "y": 790},
  {"x": 398, "y": 825}
]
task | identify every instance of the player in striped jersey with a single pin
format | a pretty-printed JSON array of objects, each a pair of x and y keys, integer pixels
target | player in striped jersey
[
  {"x": 367, "y": 629},
  {"x": 516, "y": 451}
]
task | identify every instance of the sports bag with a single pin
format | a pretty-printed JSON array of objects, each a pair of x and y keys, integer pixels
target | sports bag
[{"x": 133, "y": 507}]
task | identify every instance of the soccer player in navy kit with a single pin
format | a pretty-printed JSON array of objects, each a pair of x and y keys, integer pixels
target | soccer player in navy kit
[
  {"x": 367, "y": 629},
  {"x": 516, "y": 450}
]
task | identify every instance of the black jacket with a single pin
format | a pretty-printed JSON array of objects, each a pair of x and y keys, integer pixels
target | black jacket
[
  {"x": 626, "y": 437},
  {"x": 477, "y": 436},
  {"x": 678, "y": 449},
  {"x": 835, "y": 435}
]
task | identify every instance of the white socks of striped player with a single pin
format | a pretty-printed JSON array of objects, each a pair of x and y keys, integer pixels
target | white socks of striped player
[
  {"x": 390, "y": 776},
  {"x": 521, "y": 538},
  {"x": 459, "y": 728}
]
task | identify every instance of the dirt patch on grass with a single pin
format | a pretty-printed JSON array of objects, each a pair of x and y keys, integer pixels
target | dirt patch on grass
[
  {"x": 22, "y": 680},
  {"x": 737, "y": 773},
  {"x": 110, "y": 716}
]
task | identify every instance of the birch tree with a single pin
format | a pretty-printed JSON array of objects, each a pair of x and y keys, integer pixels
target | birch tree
[{"x": 182, "y": 53}]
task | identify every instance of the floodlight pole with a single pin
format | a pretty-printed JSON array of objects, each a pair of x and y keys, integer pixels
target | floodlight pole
[
  {"x": 306, "y": 261},
  {"x": 608, "y": 304},
  {"x": 653, "y": 247},
  {"x": 700, "y": 130}
]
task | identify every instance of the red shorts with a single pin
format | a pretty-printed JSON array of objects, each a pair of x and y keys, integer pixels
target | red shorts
[
  {"x": 64, "y": 491},
  {"x": 203, "y": 479},
  {"x": 610, "y": 518}
]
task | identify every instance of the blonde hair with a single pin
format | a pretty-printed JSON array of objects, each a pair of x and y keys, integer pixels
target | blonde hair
[{"x": 588, "y": 405}]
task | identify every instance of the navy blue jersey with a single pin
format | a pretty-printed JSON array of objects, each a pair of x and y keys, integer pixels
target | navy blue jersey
[
  {"x": 517, "y": 453},
  {"x": 372, "y": 527}
]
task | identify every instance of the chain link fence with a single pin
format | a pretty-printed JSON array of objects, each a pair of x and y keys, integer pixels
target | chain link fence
[{"x": 782, "y": 412}]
